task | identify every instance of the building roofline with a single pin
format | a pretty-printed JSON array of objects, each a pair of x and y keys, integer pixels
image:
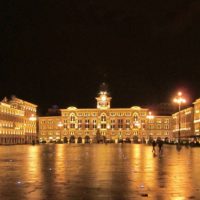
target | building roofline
[
  {"x": 23, "y": 101},
  {"x": 196, "y": 101},
  {"x": 189, "y": 108},
  {"x": 97, "y": 109}
]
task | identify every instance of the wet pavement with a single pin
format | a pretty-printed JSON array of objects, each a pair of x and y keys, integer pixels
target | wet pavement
[{"x": 98, "y": 171}]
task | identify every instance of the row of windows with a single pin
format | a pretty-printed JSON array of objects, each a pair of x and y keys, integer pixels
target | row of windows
[
  {"x": 113, "y": 133},
  {"x": 103, "y": 119},
  {"x": 30, "y": 130},
  {"x": 120, "y": 114},
  {"x": 120, "y": 124},
  {"x": 158, "y": 127},
  {"x": 11, "y": 111},
  {"x": 158, "y": 121},
  {"x": 58, "y": 134},
  {"x": 94, "y": 123},
  {"x": 103, "y": 126},
  {"x": 82, "y": 114},
  {"x": 87, "y": 114},
  {"x": 30, "y": 125},
  {"x": 87, "y": 133},
  {"x": 16, "y": 126},
  {"x": 11, "y": 132},
  {"x": 93, "y": 126},
  {"x": 30, "y": 108},
  {"x": 6, "y": 124},
  {"x": 111, "y": 114},
  {"x": 159, "y": 133}
]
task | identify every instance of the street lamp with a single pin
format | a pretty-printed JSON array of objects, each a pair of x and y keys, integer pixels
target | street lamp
[
  {"x": 179, "y": 100},
  {"x": 60, "y": 125}
]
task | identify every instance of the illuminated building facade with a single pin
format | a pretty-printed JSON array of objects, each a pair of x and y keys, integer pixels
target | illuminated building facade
[
  {"x": 17, "y": 121},
  {"x": 104, "y": 123},
  {"x": 159, "y": 127},
  {"x": 186, "y": 123},
  {"x": 197, "y": 117}
]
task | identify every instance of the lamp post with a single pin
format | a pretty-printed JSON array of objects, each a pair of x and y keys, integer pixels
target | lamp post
[
  {"x": 60, "y": 125},
  {"x": 149, "y": 117},
  {"x": 179, "y": 100},
  {"x": 33, "y": 118}
]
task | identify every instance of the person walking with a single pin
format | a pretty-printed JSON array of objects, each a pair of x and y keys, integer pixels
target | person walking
[
  {"x": 154, "y": 145},
  {"x": 160, "y": 144}
]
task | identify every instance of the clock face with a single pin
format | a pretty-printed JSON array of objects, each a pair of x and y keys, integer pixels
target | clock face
[{"x": 103, "y": 98}]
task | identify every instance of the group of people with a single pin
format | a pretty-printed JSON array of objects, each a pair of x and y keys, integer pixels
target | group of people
[{"x": 160, "y": 144}]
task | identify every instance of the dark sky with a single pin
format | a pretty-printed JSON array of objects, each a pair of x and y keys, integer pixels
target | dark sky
[{"x": 59, "y": 52}]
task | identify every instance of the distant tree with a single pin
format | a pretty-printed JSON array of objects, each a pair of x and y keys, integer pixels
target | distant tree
[
  {"x": 65, "y": 140},
  {"x": 135, "y": 139},
  {"x": 97, "y": 137}
]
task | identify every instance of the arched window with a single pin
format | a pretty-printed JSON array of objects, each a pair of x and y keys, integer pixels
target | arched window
[
  {"x": 72, "y": 118},
  {"x": 72, "y": 121},
  {"x": 103, "y": 118},
  {"x": 135, "y": 117}
]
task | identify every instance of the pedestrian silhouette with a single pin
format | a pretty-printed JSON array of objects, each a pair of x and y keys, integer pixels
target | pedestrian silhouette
[
  {"x": 154, "y": 145},
  {"x": 178, "y": 147},
  {"x": 160, "y": 144}
]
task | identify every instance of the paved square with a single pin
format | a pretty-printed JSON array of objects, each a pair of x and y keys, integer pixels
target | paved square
[{"x": 98, "y": 171}]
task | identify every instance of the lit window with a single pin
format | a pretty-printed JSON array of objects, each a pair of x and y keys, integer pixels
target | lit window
[
  {"x": 135, "y": 117},
  {"x": 72, "y": 118},
  {"x": 103, "y": 126},
  {"x": 127, "y": 123},
  {"x": 103, "y": 118},
  {"x": 87, "y": 123},
  {"x": 120, "y": 123},
  {"x": 72, "y": 125}
]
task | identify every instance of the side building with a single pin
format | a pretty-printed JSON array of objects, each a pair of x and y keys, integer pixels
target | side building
[
  {"x": 197, "y": 118},
  {"x": 183, "y": 121},
  {"x": 17, "y": 121},
  {"x": 187, "y": 123},
  {"x": 104, "y": 124},
  {"x": 159, "y": 127}
]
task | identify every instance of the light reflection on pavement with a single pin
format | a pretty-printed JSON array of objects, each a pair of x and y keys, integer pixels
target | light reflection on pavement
[{"x": 98, "y": 171}]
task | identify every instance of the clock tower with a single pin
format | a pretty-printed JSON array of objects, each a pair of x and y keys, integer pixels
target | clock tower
[{"x": 103, "y": 100}]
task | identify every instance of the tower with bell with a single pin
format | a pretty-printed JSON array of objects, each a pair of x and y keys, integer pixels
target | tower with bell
[{"x": 104, "y": 99}]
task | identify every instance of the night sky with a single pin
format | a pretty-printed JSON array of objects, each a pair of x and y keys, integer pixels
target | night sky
[{"x": 59, "y": 52}]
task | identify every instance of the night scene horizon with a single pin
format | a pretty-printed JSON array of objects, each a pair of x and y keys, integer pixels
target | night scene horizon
[{"x": 100, "y": 100}]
